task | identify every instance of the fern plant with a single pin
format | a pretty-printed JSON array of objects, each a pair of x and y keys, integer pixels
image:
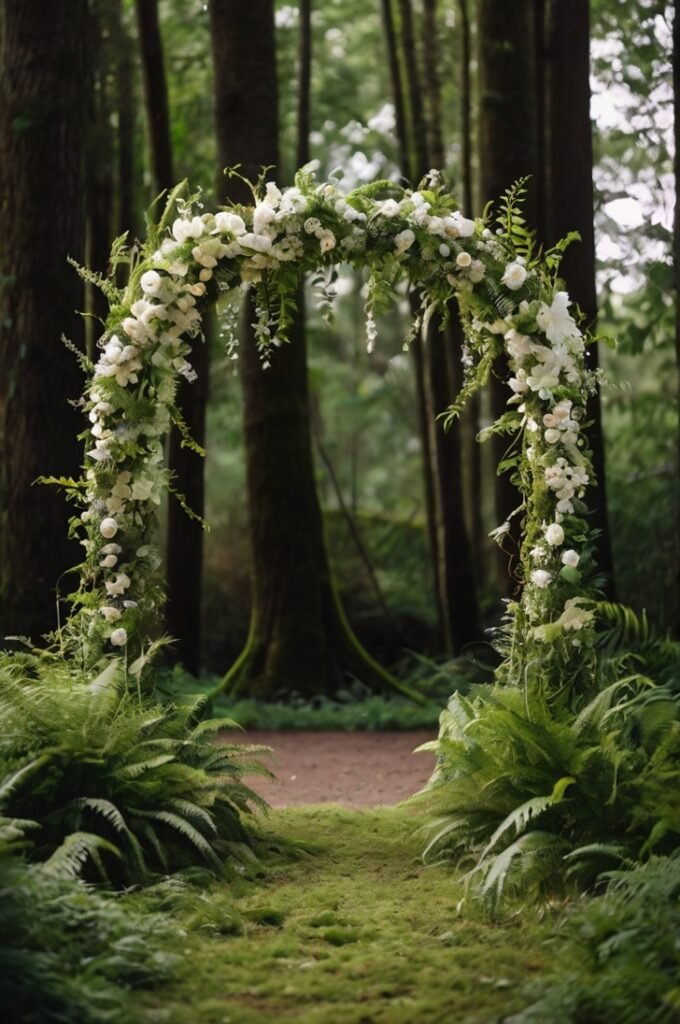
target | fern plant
[
  {"x": 119, "y": 786},
  {"x": 531, "y": 793}
]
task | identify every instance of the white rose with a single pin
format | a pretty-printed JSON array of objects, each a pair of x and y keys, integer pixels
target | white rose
[
  {"x": 109, "y": 561},
  {"x": 541, "y": 578},
  {"x": 119, "y": 637},
  {"x": 571, "y": 558},
  {"x": 463, "y": 259},
  {"x": 554, "y": 535},
  {"x": 552, "y": 436},
  {"x": 117, "y": 587},
  {"x": 108, "y": 528},
  {"x": 514, "y": 277},
  {"x": 109, "y": 613}
]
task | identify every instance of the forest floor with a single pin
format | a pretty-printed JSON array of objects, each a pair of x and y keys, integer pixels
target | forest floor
[
  {"x": 345, "y": 926},
  {"x": 341, "y": 922}
]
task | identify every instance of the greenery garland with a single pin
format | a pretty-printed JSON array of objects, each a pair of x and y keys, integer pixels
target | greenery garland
[{"x": 510, "y": 301}]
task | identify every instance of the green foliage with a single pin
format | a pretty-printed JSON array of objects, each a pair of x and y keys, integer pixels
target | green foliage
[
  {"x": 619, "y": 955},
  {"x": 69, "y": 954},
  {"x": 537, "y": 793},
  {"x": 118, "y": 785}
]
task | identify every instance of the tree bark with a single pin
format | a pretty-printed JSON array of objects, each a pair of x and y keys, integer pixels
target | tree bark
[
  {"x": 156, "y": 94},
  {"x": 299, "y": 639},
  {"x": 396, "y": 82},
  {"x": 676, "y": 239},
  {"x": 42, "y": 127},
  {"x": 570, "y": 208},
  {"x": 508, "y": 134},
  {"x": 184, "y": 539}
]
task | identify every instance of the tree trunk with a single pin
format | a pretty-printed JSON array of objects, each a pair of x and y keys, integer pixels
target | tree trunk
[
  {"x": 676, "y": 237},
  {"x": 396, "y": 83},
  {"x": 184, "y": 540},
  {"x": 570, "y": 206},
  {"x": 42, "y": 127},
  {"x": 126, "y": 220},
  {"x": 99, "y": 167},
  {"x": 299, "y": 639},
  {"x": 417, "y": 149},
  {"x": 155, "y": 94},
  {"x": 469, "y": 424},
  {"x": 430, "y": 39},
  {"x": 508, "y": 134}
]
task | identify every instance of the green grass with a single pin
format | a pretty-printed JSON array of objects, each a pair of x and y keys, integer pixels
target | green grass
[{"x": 346, "y": 927}]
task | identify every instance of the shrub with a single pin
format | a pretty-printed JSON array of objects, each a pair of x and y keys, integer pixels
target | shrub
[
  {"x": 117, "y": 784},
  {"x": 620, "y": 958}
]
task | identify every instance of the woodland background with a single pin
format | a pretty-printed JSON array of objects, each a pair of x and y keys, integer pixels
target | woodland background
[{"x": 336, "y": 450}]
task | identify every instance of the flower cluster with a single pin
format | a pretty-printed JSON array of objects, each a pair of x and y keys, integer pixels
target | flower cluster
[{"x": 506, "y": 300}]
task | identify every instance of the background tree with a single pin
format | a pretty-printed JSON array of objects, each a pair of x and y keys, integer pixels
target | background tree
[
  {"x": 42, "y": 127},
  {"x": 184, "y": 538},
  {"x": 508, "y": 137},
  {"x": 569, "y": 188},
  {"x": 299, "y": 637}
]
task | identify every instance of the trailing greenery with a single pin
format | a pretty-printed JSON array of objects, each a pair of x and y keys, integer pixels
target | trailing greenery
[
  {"x": 68, "y": 953},
  {"x": 536, "y": 793},
  {"x": 117, "y": 786},
  {"x": 619, "y": 954}
]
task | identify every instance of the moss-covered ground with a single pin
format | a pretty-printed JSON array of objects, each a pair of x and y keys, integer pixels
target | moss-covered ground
[{"x": 345, "y": 927}]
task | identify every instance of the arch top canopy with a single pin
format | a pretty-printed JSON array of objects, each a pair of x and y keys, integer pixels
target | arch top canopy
[{"x": 508, "y": 297}]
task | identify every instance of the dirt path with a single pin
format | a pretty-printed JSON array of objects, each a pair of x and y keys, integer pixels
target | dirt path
[{"x": 355, "y": 769}]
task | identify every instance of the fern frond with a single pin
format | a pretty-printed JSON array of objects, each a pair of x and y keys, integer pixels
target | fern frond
[{"x": 70, "y": 858}]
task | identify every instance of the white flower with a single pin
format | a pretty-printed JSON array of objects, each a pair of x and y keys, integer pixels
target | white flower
[
  {"x": 514, "y": 277},
  {"x": 119, "y": 637},
  {"x": 186, "y": 229},
  {"x": 109, "y": 613},
  {"x": 571, "y": 558},
  {"x": 151, "y": 282},
  {"x": 311, "y": 225},
  {"x": 260, "y": 243},
  {"x": 552, "y": 436},
  {"x": 554, "y": 535},
  {"x": 573, "y": 617},
  {"x": 108, "y": 528},
  {"x": 117, "y": 587},
  {"x": 555, "y": 320},
  {"x": 229, "y": 222},
  {"x": 263, "y": 215},
  {"x": 109, "y": 561},
  {"x": 477, "y": 272},
  {"x": 388, "y": 208},
  {"x": 272, "y": 194},
  {"x": 326, "y": 241},
  {"x": 111, "y": 549},
  {"x": 463, "y": 259},
  {"x": 541, "y": 578},
  {"x": 404, "y": 240}
]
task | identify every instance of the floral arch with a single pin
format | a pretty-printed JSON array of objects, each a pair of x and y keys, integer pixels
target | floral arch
[{"x": 509, "y": 299}]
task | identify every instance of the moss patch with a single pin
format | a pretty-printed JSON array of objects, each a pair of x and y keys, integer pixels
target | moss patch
[{"x": 352, "y": 929}]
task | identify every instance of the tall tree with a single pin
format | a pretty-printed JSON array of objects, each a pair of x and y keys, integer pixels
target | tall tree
[
  {"x": 42, "y": 125},
  {"x": 570, "y": 203},
  {"x": 184, "y": 539},
  {"x": 441, "y": 360},
  {"x": 299, "y": 637},
  {"x": 508, "y": 140},
  {"x": 676, "y": 232}
]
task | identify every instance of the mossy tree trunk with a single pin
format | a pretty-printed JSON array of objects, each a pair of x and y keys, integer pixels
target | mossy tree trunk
[
  {"x": 570, "y": 206},
  {"x": 508, "y": 150},
  {"x": 43, "y": 69},
  {"x": 184, "y": 538},
  {"x": 299, "y": 639}
]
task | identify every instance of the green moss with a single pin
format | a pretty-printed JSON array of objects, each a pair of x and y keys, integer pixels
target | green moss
[{"x": 362, "y": 932}]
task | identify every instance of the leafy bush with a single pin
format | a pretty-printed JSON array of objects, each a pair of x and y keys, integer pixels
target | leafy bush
[
  {"x": 620, "y": 959},
  {"x": 536, "y": 792},
  {"x": 66, "y": 951},
  {"x": 117, "y": 785}
]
